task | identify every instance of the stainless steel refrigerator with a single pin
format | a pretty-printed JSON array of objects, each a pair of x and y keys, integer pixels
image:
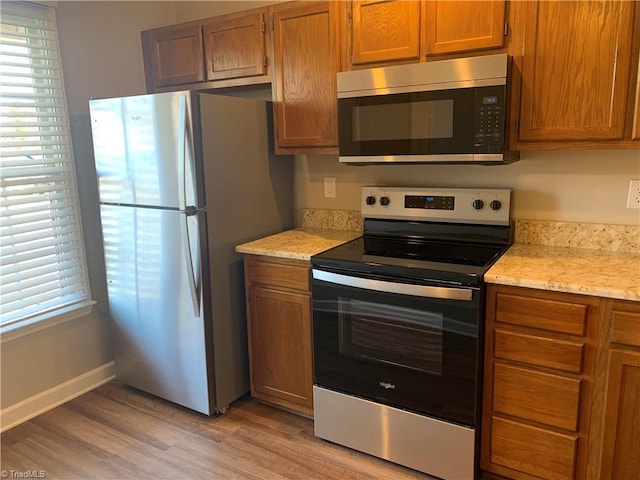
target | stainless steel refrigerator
[{"x": 183, "y": 178}]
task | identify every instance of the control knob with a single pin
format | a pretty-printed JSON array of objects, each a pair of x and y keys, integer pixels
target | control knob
[
  {"x": 478, "y": 204},
  {"x": 495, "y": 205},
  {"x": 370, "y": 200},
  {"x": 384, "y": 201}
]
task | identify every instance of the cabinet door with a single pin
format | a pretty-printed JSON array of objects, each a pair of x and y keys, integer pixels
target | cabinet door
[
  {"x": 460, "y": 26},
  {"x": 280, "y": 343},
  {"x": 383, "y": 31},
  {"x": 575, "y": 70},
  {"x": 306, "y": 62},
  {"x": 635, "y": 133},
  {"x": 235, "y": 47},
  {"x": 173, "y": 56},
  {"x": 621, "y": 440}
]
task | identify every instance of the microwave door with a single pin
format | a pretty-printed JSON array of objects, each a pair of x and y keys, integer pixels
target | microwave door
[{"x": 462, "y": 125}]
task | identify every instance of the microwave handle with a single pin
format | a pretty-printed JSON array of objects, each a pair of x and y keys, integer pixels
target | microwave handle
[{"x": 393, "y": 287}]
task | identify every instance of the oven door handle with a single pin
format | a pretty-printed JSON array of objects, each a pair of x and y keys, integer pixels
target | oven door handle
[{"x": 393, "y": 287}]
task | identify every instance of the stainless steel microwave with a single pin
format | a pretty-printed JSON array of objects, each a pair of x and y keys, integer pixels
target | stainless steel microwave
[{"x": 446, "y": 111}]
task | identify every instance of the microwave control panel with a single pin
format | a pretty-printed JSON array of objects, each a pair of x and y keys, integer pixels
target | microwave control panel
[{"x": 490, "y": 119}]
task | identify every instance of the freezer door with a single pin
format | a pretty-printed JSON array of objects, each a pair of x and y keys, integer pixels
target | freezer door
[
  {"x": 160, "y": 338},
  {"x": 143, "y": 150}
]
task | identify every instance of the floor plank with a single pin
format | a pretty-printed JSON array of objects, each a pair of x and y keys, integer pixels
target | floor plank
[{"x": 117, "y": 432}]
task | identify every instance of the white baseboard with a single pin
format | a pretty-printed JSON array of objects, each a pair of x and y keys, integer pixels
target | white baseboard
[{"x": 33, "y": 406}]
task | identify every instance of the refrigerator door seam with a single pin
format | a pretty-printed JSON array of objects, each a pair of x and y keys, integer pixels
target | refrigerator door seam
[{"x": 182, "y": 147}]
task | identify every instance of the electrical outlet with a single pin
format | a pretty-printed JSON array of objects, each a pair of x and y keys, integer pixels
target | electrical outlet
[
  {"x": 633, "y": 201},
  {"x": 329, "y": 187}
]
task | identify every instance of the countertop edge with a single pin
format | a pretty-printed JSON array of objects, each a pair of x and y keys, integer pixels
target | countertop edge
[
  {"x": 589, "y": 272},
  {"x": 298, "y": 243},
  {"x": 591, "y": 291},
  {"x": 273, "y": 253}
]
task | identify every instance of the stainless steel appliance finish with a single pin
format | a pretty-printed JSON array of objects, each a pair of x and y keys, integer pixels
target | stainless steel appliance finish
[
  {"x": 447, "y": 111},
  {"x": 398, "y": 326},
  {"x": 421, "y": 77},
  {"x": 416, "y": 441},
  {"x": 175, "y": 173},
  {"x": 471, "y": 205},
  {"x": 392, "y": 287}
]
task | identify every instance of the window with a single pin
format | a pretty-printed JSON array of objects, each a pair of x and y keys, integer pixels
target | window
[{"x": 42, "y": 260}]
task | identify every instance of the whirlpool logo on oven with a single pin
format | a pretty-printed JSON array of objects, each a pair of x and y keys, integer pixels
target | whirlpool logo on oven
[{"x": 387, "y": 385}]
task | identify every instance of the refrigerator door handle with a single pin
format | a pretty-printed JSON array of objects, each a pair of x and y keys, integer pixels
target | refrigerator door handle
[
  {"x": 187, "y": 169},
  {"x": 193, "y": 278}
]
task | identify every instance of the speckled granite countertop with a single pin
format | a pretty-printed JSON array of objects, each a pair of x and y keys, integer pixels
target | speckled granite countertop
[
  {"x": 585, "y": 271},
  {"x": 300, "y": 243}
]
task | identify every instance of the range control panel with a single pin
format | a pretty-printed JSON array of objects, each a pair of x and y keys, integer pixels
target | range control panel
[{"x": 461, "y": 205}]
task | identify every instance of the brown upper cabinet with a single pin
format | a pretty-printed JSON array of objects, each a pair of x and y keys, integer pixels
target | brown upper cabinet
[
  {"x": 464, "y": 26},
  {"x": 577, "y": 69},
  {"x": 381, "y": 31},
  {"x": 215, "y": 52},
  {"x": 635, "y": 119},
  {"x": 385, "y": 31},
  {"x": 235, "y": 46},
  {"x": 172, "y": 56},
  {"x": 574, "y": 83},
  {"x": 306, "y": 59}
]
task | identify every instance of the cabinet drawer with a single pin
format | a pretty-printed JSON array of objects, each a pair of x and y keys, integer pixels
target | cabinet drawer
[
  {"x": 625, "y": 324},
  {"x": 279, "y": 273},
  {"x": 532, "y": 450},
  {"x": 561, "y": 317},
  {"x": 538, "y": 351},
  {"x": 540, "y": 397}
]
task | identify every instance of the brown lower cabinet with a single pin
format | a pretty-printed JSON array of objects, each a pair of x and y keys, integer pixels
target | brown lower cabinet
[
  {"x": 616, "y": 415},
  {"x": 279, "y": 331},
  {"x": 561, "y": 386}
]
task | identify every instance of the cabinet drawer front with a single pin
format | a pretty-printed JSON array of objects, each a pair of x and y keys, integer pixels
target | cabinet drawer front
[
  {"x": 532, "y": 450},
  {"x": 536, "y": 396},
  {"x": 274, "y": 273},
  {"x": 625, "y": 327},
  {"x": 538, "y": 351},
  {"x": 562, "y": 317}
]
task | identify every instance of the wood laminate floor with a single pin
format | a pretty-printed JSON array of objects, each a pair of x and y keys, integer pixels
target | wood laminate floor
[{"x": 115, "y": 432}]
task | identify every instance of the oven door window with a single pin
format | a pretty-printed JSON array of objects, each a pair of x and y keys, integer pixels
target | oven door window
[
  {"x": 417, "y": 353},
  {"x": 391, "y": 335},
  {"x": 417, "y": 123}
]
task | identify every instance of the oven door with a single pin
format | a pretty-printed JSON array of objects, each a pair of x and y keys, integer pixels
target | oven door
[{"x": 405, "y": 345}]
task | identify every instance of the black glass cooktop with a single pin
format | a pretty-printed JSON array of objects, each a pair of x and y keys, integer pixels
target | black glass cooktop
[{"x": 434, "y": 252}]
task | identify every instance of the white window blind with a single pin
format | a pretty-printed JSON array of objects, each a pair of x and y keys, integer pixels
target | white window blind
[{"x": 42, "y": 260}]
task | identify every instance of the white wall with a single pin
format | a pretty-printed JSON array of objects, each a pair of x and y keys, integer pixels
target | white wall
[
  {"x": 187, "y": 11},
  {"x": 575, "y": 186},
  {"x": 101, "y": 56}
]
